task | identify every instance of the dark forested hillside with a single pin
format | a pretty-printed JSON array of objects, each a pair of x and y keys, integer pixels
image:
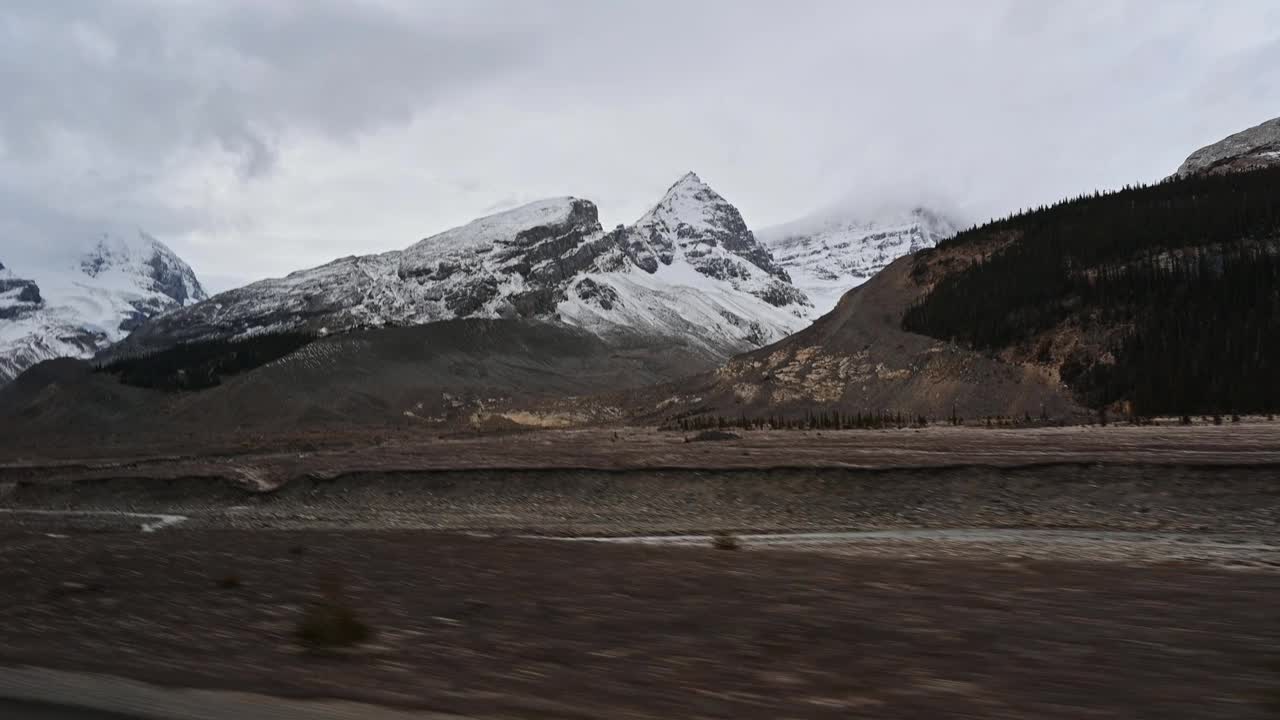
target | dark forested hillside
[
  {"x": 1179, "y": 277},
  {"x": 200, "y": 365}
]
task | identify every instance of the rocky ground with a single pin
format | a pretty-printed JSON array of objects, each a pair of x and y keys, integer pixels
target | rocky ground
[
  {"x": 1039, "y": 574},
  {"x": 1163, "y": 498},
  {"x": 269, "y": 460},
  {"x": 528, "y": 629}
]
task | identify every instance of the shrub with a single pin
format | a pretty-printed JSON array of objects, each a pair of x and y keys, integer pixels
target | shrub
[
  {"x": 725, "y": 540},
  {"x": 713, "y": 435},
  {"x": 331, "y": 623},
  {"x": 229, "y": 582}
]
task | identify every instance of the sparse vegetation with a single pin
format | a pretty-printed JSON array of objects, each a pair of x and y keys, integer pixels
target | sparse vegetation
[
  {"x": 811, "y": 420},
  {"x": 331, "y": 623},
  {"x": 837, "y": 420},
  {"x": 714, "y": 435},
  {"x": 725, "y": 540}
]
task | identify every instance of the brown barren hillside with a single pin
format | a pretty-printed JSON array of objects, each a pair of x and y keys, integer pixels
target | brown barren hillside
[{"x": 859, "y": 359}]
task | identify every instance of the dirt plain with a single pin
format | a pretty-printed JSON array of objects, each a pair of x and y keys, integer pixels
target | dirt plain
[
  {"x": 1143, "y": 582},
  {"x": 511, "y": 628}
]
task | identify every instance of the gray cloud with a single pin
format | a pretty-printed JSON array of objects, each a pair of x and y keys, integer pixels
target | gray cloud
[{"x": 258, "y": 137}]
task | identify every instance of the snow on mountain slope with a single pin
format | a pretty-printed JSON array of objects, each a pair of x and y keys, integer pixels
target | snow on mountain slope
[
  {"x": 79, "y": 306},
  {"x": 827, "y": 256},
  {"x": 689, "y": 271},
  {"x": 1251, "y": 149}
]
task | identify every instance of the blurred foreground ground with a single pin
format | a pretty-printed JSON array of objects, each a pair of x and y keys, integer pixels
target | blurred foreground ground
[
  {"x": 526, "y": 628},
  {"x": 1063, "y": 573}
]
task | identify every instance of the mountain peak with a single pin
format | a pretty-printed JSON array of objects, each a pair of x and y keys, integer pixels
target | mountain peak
[
  {"x": 82, "y": 302},
  {"x": 143, "y": 264},
  {"x": 689, "y": 178},
  {"x": 690, "y": 202},
  {"x": 1251, "y": 149},
  {"x": 508, "y": 224}
]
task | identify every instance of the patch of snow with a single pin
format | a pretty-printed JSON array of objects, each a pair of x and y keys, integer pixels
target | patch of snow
[
  {"x": 826, "y": 257},
  {"x": 92, "y": 300}
]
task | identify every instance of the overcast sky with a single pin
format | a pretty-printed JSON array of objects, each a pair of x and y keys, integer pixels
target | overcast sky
[{"x": 264, "y": 136}]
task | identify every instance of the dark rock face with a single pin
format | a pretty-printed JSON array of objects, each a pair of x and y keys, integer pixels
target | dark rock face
[
  {"x": 598, "y": 293},
  {"x": 28, "y": 291},
  {"x": 467, "y": 300},
  {"x": 780, "y": 294},
  {"x": 723, "y": 269},
  {"x": 170, "y": 280},
  {"x": 537, "y": 303},
  {"x": 641, "y": 250},
  {"x": 18, "y": 296}
]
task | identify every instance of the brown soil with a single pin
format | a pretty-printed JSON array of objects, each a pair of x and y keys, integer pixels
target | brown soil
[
  {"x": 504, "y": 627},
  {"x": 526, "y": 629},
  {"x": 259, "y": 460}
]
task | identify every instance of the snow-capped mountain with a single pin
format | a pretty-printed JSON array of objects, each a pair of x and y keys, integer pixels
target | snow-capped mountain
[
  {"x": 1251, "y": 149},
  {"x": 829, "y": 255},
  {"x": 79, "y": 306},
  {"x": 688, "y": 271}
]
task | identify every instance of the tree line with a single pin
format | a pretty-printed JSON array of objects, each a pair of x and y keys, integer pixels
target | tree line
[
  {"x": 203, "y": 364},
  {"x": 1183, "y": 273}
]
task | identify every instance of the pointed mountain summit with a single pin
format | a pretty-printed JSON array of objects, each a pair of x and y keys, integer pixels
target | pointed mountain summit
[
  {"x": 84, "y": 302},
  {"x": 144, "y": 263},
  {"x": 696, "y": 218}
]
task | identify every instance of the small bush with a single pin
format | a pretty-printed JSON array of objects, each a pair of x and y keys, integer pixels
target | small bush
[
  {"x": 713, "y": 435},
  {"x": 229, "y": 582},
  {"x": 332, "y": 623},
  {"x": 725, "y": 540}
]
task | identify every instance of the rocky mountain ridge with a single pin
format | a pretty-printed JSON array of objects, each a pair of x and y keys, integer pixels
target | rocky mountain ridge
[
  {"x": 688, "y": 272},
  {"x": 1251, "y": 149}
]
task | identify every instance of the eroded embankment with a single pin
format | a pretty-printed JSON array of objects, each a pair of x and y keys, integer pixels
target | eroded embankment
[{"x": 592, "y": 502}]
